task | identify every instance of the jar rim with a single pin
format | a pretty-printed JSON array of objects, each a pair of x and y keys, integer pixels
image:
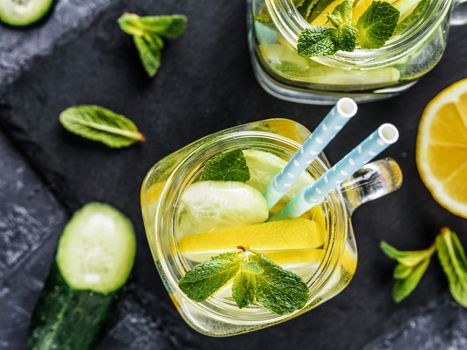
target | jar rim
[
  {"x": 184, "y": 167},
  {"x": 290, "y": 23}
]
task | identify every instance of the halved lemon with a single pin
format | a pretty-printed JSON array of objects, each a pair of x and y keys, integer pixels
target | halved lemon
[{"x": 442, "y": 148}]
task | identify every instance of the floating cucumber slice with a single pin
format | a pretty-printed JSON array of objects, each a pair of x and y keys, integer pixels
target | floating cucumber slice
[
  {"x": 365, "y": 78},
  {"x": 289, "y": 63},
  {"x": 264, "y": 166},
  {"x": 286, "y": 60},
  {"x": 405, "y": 7},
  {"x": 209, "y": 205},
  {"x": 21, "y": 13},
  {"x": 412, "y": 17}
]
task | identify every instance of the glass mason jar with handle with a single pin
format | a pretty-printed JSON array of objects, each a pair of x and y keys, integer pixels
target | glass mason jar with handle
[
  {"x": 364, "y": 74},
  {"x": 325, "y": 275}
]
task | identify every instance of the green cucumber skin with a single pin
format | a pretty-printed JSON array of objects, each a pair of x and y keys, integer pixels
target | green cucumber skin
[{"x": 68, "y": 319}]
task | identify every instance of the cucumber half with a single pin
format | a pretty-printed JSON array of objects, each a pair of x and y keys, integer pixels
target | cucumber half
[
  {"x": 21, "y": 13},
  {"x": 94, "y": 259},
  {"x": 97, "y": 249}
]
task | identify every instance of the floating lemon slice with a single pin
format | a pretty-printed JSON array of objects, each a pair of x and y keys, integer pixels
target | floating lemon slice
[
  {"x": 442, "y": 148},
  {"x": 285, "y": 242}
]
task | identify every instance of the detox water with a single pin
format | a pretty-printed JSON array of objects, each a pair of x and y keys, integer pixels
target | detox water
[{"x": 216, "y": 217}]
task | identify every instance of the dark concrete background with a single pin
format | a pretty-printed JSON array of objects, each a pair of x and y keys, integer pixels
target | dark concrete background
[{"x": 206, "y": 84}]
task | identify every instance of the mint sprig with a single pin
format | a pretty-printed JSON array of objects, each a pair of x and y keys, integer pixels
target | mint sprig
[
  {"x": 100, "y": 124},
  {"x": 376, "y": 25},
  {"x": 148, "y": 33},
  {"x": 256, "y": 279},
  {"x": 413, "y": 264},
  {"x": 410, "y": 269},
  {"x": 229, "y": 166}
]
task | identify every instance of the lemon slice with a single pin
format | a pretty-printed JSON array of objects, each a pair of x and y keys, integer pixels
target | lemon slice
[
  {"x": 210, "y": 205},
  {"x": 442, "y": 148},
  {"x": 264, "y": 166},
  {"x": 288, "y": 241}
]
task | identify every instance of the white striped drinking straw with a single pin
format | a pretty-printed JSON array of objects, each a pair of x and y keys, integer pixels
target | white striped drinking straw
[
  {"x": 378, "y": 141},
  {"x": 341, "y": 113}
]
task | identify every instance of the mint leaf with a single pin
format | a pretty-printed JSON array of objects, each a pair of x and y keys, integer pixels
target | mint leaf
[
  {"x": 316, "y": 41},
  {"x": 323, "y": 41},
  {"x": 377, "y": 24},
  {"x": 149, "y": 53},
  {"x": 402, "y": 271},
  {"x": 229, "y": 166},
  {"x": 403, "y": 287},
  {"x": 406, "y": 258},
  {"x": 206, "y": 278},
  {"x": 345, "y": 38},
  {"x": 279, "y": 290},
  {"x": 454, "y": 262},
  {"x": 100, "y": 124},
  {"x": 244, "y": 285},
  {"x": 169, "y": 27}
]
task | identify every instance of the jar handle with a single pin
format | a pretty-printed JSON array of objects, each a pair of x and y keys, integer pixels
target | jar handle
[
  {"x": 459, "y": 13},
  {"x": 372, "y": 181}
]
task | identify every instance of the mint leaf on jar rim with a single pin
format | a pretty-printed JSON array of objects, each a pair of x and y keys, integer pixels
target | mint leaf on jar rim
[
  {"x": 454, "y": 262},
  {"x": 377, "y": 24},
  {"x": 229, "y": 166},
  {"x": 100, "y": 124}
]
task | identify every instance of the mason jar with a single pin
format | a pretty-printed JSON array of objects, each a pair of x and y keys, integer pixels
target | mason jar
[
  {"x": 169, "y": 178},
  {"x": 364, "y": 74}
]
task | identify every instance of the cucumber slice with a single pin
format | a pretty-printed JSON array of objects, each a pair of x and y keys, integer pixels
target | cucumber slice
[
  {"x": 97, "y": 249},
  {"x": 21, "y": 13},
  {"x": 405, "y": 7},
  {"x": 96, "y": 253},
  {"x": 210, "y": 205}
]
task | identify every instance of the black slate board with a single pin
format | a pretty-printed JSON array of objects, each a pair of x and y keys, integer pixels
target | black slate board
[{"x": 206, "y": 84}]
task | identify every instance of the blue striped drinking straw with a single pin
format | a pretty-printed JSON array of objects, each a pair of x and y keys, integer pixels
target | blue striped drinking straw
[
  {"x": 377, "y": 142},
  {"x": 336, "y": 119}
]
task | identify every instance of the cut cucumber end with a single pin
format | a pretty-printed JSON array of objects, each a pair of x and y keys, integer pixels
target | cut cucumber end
[
  {"x": 97, "y": 249},
  {"x": 23, "y": 13}
]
